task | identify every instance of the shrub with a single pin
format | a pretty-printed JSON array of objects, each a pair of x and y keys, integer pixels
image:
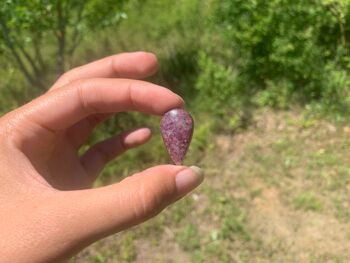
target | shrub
[{"x": 301, "y": 46}]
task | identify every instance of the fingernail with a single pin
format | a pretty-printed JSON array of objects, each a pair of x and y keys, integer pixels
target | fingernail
[{"x": 188, "y": 179}]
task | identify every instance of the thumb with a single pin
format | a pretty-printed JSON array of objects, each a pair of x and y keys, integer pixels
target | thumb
[{"x": 110, "y": 209}]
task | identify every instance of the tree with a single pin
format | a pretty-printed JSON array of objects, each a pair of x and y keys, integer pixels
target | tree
[{"x": 30, "y": 27}]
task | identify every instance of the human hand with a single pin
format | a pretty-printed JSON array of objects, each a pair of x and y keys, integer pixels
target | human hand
[{"x": 47, "y": 211}]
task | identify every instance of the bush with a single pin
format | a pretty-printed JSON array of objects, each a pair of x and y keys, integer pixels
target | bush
[
  {"x": 301, "y": 46},
  {"x": 215, "y": 85}
]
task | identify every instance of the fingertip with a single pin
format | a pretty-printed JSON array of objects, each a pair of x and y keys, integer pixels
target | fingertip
[
  {"x": 146, "y": 55},
  {"x": 176, "y": 102},
  {"x": 150, "y": 57},
  {"x": 182, "y": 102},
  {"x": 138, "y": 64},
  {"x": 188, "y": 179},
  {"x": 163, "y": 169},
  {"x": 137, "y": 137},
  {"x": 149, "y": 65},
  {"x": 145, "y": 133}
]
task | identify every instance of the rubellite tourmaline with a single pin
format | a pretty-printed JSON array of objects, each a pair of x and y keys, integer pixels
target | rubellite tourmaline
[{"x": 176, "y": 127}]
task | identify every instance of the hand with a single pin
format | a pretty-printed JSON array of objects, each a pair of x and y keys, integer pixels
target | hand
[{"x": 47, "y": 211}]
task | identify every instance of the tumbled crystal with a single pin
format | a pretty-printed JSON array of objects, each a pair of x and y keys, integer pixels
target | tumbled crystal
[{"x": 176, "y": 127}]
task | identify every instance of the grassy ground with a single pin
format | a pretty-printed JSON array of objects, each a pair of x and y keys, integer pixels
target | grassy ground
[{"x": 275, "y": 192}]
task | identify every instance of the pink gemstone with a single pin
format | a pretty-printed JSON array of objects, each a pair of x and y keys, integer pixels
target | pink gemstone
[{"x": 176, "y": 127}]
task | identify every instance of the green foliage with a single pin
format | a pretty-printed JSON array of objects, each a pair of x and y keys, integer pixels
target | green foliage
[
  {"x": 276, "y": 95},
  {"x": 101, "y": 14},
  {"x": 300, "y": 46},
  {"x": 59, "y": 26},
  {"x": 12, "y": 91},
  {"x": 27, "y": 20},
  {"x": 201, "y": 140},
  {"x": 215, "y": 85}
]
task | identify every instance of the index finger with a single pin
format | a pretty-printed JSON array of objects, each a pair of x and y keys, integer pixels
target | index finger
[
  {"x": 134, "y": 65},
  {"x": 66, "y": 106}
]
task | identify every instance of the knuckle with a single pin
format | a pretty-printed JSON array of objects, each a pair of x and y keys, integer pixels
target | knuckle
[
  {"x": 81, "y": 83},
  {"x": 81, "y": 87},
  {"x": 9, "y": 127},
  {"x": 148, "y": 203},
  {"x": 68, "y": 77},
  {"x": 151, "y": 199},
  {"x": 130, "y": 97}
]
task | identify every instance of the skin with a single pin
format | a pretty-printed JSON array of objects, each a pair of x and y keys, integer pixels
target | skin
[{"x": 48, "y": 211}]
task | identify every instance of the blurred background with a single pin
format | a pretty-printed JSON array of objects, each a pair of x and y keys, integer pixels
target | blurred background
[{"x": 268, "y": 84}]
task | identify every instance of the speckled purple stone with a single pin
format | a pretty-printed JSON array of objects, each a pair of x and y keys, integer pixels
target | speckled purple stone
[{"x": 176, "y": 127}]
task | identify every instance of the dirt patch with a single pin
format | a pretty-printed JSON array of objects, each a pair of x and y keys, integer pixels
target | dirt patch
[
  {"x": 166, "y": 251},
  {"x": 303, "y": 236}
]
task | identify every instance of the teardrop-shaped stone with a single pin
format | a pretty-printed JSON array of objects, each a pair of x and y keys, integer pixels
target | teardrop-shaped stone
[{"x": 176, "y": 127}]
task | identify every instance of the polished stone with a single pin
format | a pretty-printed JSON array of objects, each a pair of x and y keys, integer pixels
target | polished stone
[{"x": 176, "y": 127}]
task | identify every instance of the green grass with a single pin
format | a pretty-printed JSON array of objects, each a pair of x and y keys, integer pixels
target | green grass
[
  {"x": 188, "y": 238},
  {"x": 308, "y": 201},
  {"x": 127, "y": 249}
]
